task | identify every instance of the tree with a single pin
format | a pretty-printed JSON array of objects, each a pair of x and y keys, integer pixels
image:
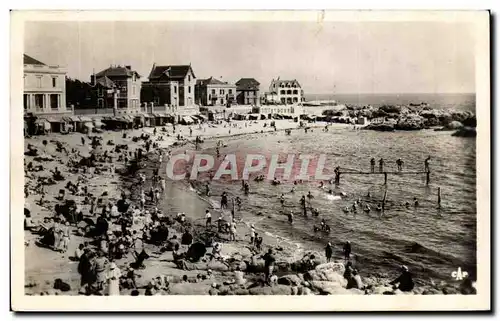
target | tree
[{"x": 79, "y": 94}]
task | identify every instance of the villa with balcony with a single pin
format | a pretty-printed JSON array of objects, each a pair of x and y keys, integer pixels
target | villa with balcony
[
  {"x": 284, "y": 92},
  {"x": 44, "y": 89},
  {"x": 214, "y": 92},
  {"x": 118, "y": 87}
]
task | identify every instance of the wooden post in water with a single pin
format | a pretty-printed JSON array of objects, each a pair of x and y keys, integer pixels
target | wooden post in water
[
  {"x": 427, "y": 177},
  {"x": 385, "y": 178},
  {"x": 383, "y": 201},
  {"x": 439, "y": 197}
]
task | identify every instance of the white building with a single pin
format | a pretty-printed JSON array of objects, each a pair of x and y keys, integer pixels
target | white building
[
  {"x": 44, "y": 88},
  {"x": 285, "y": 92}
]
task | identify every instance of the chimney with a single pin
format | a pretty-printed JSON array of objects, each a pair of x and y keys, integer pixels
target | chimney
[{"x": 129, "y": 67}]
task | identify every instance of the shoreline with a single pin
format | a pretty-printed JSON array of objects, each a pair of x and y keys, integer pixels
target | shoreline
[{"x": 229, "y": 249}]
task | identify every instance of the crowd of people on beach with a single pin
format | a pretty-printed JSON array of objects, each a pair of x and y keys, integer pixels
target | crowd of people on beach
[{"x": 113, "y": 229}]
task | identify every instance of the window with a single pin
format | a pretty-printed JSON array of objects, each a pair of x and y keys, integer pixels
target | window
[
  {"x": 282, "y": 92},
  {"x": 100, "y": 103},
  {"x": 133, "y": 77},
  {"x": 54, "y": 101},
  {"x": 133, "y": 90},
  {"x": 230, "y": 91},
  {"x": 222, "y": 101},
  {"x": 189, "y": 77},
  {"x": 222, "y": 91},
  {"x": 295, "y": 99},
  {"x": 39, "y": 81},
  {"x": 213, "y": 91},
  {"x": 54, "y": 82},
  {"x": 295, "y": 92},
  {"x": 39, "y": 101},
  {"x": 189, "y": 89},
  {"x": 26, "y": 101},
  {"x": 175, "y": 89},
  {"x": 289, "y": 92}
]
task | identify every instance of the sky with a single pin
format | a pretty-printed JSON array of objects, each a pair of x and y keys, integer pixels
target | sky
[{"x": 328, "y": 57}]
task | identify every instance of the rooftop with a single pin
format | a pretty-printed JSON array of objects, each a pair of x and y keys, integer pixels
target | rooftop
[
  {"x": 32, "y": 61},
  {"x": 247, "y": 84},
  {"x": 172, "y": 71},
  {"x": 117, "y": 71}
]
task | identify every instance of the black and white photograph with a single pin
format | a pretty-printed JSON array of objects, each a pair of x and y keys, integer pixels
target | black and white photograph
[{"x": 319, "y": 158}]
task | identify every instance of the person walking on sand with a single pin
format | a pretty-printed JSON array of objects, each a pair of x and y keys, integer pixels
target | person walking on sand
[
  {"x": 347, "y": 250},
  {"x": 65, "y": 237},
  {"x": 232, "y": 231},
  {"x": 372, "y": 165},
  {"x": 162, "y": 184},
  {"x": 113, "y": 277},
  {"x": 328, "y": 252},
  {"x": 303, "y": 204},
  {"x": 381, "y": 165},
  {"x": 252, "y": 234},
  {"x": 208, "y": 218}
]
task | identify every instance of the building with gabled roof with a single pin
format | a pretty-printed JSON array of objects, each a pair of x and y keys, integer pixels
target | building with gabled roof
[
  {"x": 247, "y": 91},
  {"x": 118, "y": 87},
  {"x": 286, "y": 92},
  {"x": 171, "y": 86},
  {"x": 44, "y": 91},
  {"x": 214, "y": 92}
]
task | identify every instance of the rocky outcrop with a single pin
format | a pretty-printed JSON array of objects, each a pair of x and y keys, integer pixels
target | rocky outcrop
[
  {"x": 465, "y": 132},
  {"x": 410, "y": 123},
  {"x": 381, "y": 127},
  {"x": 453, "y": 125}
]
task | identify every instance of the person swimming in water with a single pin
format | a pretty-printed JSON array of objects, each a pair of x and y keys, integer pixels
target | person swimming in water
[
  {"x": 292, "y": 190},
  {"x": 415, "y": 202},
  {"x": 309, "y": 195}
]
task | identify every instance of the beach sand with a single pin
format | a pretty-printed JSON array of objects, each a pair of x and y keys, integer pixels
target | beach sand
[{"x": 43, "y": 266}]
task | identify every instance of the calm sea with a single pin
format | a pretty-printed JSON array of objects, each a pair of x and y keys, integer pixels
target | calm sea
[
  {"x": 464, "y": 102},
  {"x": 432, "y": 242}
]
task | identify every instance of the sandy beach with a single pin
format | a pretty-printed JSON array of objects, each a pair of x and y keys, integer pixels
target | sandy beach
[{"x": 298, "y": 273}]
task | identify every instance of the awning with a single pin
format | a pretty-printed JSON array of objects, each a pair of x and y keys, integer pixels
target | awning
[
  {"x": 53, "y": 119},
  {"x": 98, "y": 122},
  {"x": 85, "y": 119},
  {"x": 67, "y": 119},
  {"x": 43, "y": 122},
  {"x": 74, "y": 118},
  {"x": 88, "y": 125},
  {"x": 202, "y": 117},
  {"x": 188, "y": 119}
]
